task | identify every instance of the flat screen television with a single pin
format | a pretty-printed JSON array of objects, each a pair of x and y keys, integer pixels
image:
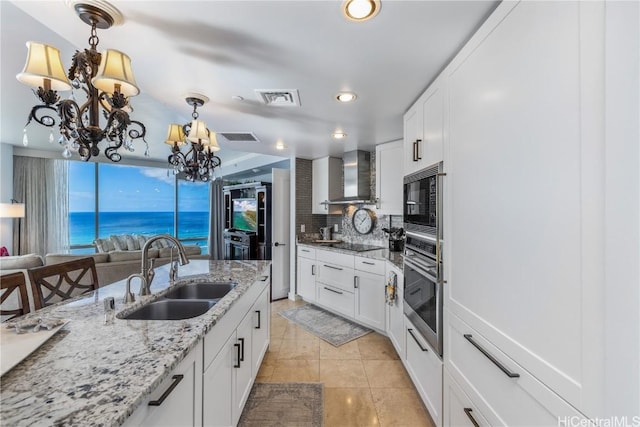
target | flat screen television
[{"x": 245, "y": 214}]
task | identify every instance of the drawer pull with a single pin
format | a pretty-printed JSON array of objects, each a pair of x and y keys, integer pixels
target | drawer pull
[
  {"x": 495, "y": 361},
  {"x": 304, "y": 250},
  {"x": 259, "y": 316},
  {"x": 241, "y": 351},
  {"x": 333, "y": 290},
  {"x": 368, "y": 263},
  {"x": 414, "y": 292},
  {"x": 264, "y": 278},
  {"x": 167, "y": 392},
  {"x": 331, "y": 266},
  {"x": 237, "y": 346},
  {"x": 416, "y": 340},
  {"x": 473, "y": 420}
]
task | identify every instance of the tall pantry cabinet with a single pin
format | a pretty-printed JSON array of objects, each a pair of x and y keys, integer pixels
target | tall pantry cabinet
[{"x": 532, "y": 261}]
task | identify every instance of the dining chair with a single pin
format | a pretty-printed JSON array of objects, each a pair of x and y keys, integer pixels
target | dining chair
[
  {"x": 14, "y": 294},
  {"x": 58, "y": 282}
]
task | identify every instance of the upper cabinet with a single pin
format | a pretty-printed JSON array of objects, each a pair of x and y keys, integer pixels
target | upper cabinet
[
  {"x": 326, "y": 184},
  {"x": 389, "y": 175},
  {"x": 424, "y": 129}
]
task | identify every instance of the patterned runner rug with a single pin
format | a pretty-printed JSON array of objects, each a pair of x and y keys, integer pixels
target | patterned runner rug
[
  {"x": 290, "y": 404},
  {"x": 332, "y": 328}
]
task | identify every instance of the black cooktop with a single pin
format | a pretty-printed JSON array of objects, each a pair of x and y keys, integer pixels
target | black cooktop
[{"x": 355, "y": 247}]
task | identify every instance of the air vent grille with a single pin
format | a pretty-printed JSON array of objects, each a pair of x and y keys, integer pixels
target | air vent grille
[
  {"x": 239, "y": 136},
  {"x": 279, "y": 97}
]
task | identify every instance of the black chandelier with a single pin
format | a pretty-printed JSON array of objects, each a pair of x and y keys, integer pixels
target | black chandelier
[
  {"x": 106, "y": 79},
  {"x": 199, "y": 162}
]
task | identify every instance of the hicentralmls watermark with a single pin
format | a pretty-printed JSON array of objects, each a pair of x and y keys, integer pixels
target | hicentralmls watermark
[{"x": 576, "y": 421}]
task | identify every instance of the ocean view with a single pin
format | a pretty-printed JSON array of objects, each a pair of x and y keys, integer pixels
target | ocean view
[{"x": 190, "y": 225}]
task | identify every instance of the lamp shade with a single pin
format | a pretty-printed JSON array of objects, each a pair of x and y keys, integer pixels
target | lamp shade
[
  {"x": 175, "y": 135},
  {"x": 198, "y": 132},
  {"x": 11, "y": 210},
  {"x": 44, "y": 63},
  {"x": 213, "y": 142},
  {"x": 115, "y": 73}
]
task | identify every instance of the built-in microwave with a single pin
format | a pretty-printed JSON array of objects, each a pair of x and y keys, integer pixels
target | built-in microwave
[{"x": 422, "y": 201}]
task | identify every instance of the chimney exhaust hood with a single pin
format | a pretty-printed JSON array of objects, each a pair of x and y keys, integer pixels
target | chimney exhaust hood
[{"x": 357, "y": 179}]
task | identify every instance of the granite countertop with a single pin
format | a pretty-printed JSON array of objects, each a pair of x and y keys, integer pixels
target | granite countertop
[
  {"x": 385, "y": 254},
  {"x": 90, "y": 373}
]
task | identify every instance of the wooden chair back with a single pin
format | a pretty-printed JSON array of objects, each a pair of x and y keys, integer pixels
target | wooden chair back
[
  {"x": 14, "y": 293},
  {"x": 58, "y": 282}
]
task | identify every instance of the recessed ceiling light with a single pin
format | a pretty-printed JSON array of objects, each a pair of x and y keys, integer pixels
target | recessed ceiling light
[
  {"x": 360, "y": 10},
  {"x": 280, "y": 145},
  {"x": 339, "y": 135},
  {"x": 346, "y": 97}
]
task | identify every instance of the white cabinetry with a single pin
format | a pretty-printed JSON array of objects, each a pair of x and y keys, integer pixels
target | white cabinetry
[
  {"x": 177, "y": 400},
  {"x": 326, "y": 184},
  {"x": 306, "y": 273},
  {"x": 424, "y": 129},
  {"x": 459, "y": 409},
  {"x": 369, "y": 292},
  {"x": 425, "y": 369},
  {"x": 524, "y": 224},
  {"x": 395, "y": 313},
  {"x": 389, "y": 173}
]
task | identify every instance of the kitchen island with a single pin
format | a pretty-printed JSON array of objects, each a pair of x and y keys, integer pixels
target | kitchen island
[{"x": 92, "y": 373}]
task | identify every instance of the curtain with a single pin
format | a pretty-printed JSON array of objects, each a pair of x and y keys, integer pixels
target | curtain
[
  {"x": 216, "y": 220},
  {"x": 42, "y": 185}
]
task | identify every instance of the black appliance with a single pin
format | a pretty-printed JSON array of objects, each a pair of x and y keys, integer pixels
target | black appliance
[
  {"x": 422, "y": 200},
  {"x": 423, "y": 287}
]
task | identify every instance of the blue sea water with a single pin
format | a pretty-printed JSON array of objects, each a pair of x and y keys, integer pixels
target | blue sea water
[{"x": 190, "y": 225}]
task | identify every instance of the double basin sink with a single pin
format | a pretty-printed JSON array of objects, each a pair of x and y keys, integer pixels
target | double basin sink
[{"x": 183, "y": 302}]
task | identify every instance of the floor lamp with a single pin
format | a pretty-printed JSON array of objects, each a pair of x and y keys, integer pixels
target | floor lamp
[{"x": 13, "y": 210}]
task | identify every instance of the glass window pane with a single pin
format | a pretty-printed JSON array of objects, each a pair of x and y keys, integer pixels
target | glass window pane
[
  {"x": 82, "y": 203},
  {"x": 193, "y": 213},
  {"x": 135, "y": 200}
]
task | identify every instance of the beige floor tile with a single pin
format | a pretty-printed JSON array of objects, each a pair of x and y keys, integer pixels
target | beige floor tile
[
  {"x": 265, "y": 372},
  {"x": 400, "y": 407},
  {"x": 294, "y": 331},
  {"x": 343, "y": 373},
  {"x": 376, "y": 347},
  {"x": 295, "y": 370},
  {"x": 386, "y": 374},
  {"x": 346, "y": 407},
  {"x": 345, "y": 351},
  {"x": 308, "y": 349}
]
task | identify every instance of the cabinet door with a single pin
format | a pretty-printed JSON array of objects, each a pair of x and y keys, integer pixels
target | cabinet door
[
  {"x": 244, "y": 378},
  {"x": 431, "y": 147},
  {"x": 261, "y": 327},
  {"x": 459, "y": 410},
  {"x": 219, "y": 386},
  {"x": 412, "y": 136},
  {"x": 389, "y": 173},
  {"x": 395, "y": 315},
  {"x": 306, "y": 276},
  {"x": 369, "y": 299},
  {"x": 177, "y": 400},
  {"x": 326, "y": 184}
]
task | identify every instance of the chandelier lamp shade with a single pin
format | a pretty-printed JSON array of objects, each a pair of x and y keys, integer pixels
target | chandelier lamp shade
[
  {"x": 199, "y": 161},
  {"x": 105, "y": 82}
]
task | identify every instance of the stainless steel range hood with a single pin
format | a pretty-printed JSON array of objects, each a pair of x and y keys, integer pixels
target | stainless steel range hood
[{"x": 357, "y": 179}]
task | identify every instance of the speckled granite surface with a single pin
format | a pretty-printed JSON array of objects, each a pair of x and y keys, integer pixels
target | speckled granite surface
[
  {"x": 94, "y": 374},
  {"x": 394, "y": 258}
]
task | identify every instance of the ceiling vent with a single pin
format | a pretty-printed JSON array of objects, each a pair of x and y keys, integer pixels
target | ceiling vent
[
  {"x": 279, "y": 97},
  {"x": 239, "y": 136}
]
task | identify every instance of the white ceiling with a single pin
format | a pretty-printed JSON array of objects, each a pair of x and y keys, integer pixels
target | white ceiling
[{"x": 227, "y": 48}]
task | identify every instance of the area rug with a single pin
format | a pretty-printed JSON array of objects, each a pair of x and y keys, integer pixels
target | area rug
[
  {"x": 332, "y": 328},
  {"x": 290, "y": 404}
]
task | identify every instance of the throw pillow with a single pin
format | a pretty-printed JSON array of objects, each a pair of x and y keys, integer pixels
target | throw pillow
[
  {"x": 104, "y": 245},
  {"x": 132, "y": 242},
  {"x": 142, "y": 239},
  {"x": 119, "y": 242}
]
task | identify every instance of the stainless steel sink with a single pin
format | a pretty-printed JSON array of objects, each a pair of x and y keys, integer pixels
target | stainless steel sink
[
  {"x": 166, "y": 309},
  {"x": 201, "y": 291}
]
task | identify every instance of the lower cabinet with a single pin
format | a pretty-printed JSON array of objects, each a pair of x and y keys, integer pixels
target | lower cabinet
[
  {"x": 425, "y": 369},
  {"x": 177, "y": 401},
  {"x": 336, "y": 299},
  {"x": 306, "y": 278},
  {"x": 459, "y": 410},
  {"x": 395, "y": 313},
  {"x": 369, "y": 299}
]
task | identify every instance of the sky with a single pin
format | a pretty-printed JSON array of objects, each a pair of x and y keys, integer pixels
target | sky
[{"x": 125, "y": 188}]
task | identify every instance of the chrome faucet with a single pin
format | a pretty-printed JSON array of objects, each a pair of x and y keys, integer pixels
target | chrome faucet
[{"x": 147, "y": 270}]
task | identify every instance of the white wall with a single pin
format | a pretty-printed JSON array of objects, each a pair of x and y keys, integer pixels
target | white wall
[{"x": 6, "y": 193}]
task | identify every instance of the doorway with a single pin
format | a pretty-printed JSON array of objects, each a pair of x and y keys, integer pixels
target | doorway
[{"x": 280, "y": 251}]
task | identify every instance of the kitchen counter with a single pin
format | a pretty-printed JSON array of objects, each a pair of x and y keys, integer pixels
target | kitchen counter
[
  {"x": 90, "y": 373},
  {"x": 385, "y": 254}
]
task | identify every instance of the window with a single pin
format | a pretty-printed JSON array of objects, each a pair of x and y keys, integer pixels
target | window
[{"x": 108, "y": 199}]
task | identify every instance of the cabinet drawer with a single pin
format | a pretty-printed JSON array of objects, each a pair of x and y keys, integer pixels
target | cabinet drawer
[
  {"x": 336, "y": 275},
  {"x": 459, "y": 409},
  {"x": 425, "y": 369},
  {"x": 370, "y": 265},
  {"x": 519, "y": 399},
  {"x": 336, "y": 299},
  {"x": 336, "y": 258},
  {"x": 306, "y": 252}
]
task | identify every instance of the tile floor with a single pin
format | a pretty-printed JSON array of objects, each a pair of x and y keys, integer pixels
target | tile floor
[{"x": 365, "y": 384}]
